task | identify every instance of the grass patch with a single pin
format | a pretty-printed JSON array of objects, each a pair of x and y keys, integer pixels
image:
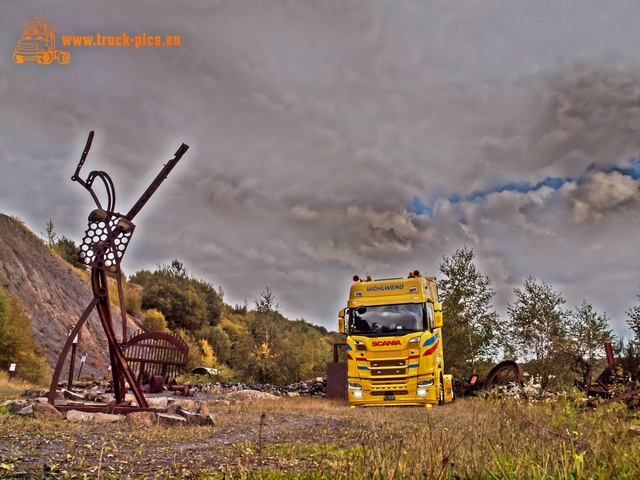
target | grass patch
[{"x": 312, "y": 438}]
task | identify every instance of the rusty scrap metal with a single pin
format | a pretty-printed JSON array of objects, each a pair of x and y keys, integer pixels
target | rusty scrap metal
[
  {"x": 103, "y": 246},
  {"x": 504, "y": 373},
  {"x": 614, "y": 384},
  {"x": 153, "y": 354},
  {"x": 337, "y": 375}
]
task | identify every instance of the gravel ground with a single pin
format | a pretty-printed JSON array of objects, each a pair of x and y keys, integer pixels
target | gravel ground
[{"x": 248, "y": 434}]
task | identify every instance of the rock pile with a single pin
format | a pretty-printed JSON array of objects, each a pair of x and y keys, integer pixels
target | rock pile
[
  {"x": 315, "y": 387},
  {"x": 169, "y": 409}
]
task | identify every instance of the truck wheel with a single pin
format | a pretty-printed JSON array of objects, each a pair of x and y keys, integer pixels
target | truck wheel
[
  {"x": 64, "y": 58},
  {"x": 18, "y": 58},
  {"x": 441, "y": 392},
  {"x": 46, "y": 58}
]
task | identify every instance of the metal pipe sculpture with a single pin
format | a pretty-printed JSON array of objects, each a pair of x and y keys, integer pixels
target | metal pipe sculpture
[{"x": 103, "y": 246}]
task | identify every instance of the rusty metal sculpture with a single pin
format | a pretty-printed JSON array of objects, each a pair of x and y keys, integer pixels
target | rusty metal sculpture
[{"x": 103, "y": 246}]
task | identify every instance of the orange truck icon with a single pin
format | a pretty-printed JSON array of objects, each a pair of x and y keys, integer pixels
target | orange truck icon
[{"x": 38, "y": 43}]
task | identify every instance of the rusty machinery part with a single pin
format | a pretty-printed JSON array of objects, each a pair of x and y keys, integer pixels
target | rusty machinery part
[
  {"x": 105, "y": 242},
  {"x": 504, "y": 373},
  {"x": 152, "y": 354}
]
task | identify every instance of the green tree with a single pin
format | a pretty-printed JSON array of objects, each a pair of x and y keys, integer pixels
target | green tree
[
  {"x": 185, "y": 302},
  {"x": 219, "y": 341},
  {"x": 50, "y": 234},
  {"x": 589, "y": 331},
  {"x": 634, "y": 323},
  {"x": 153, "y": 321},
  {"x": 69, "y": 251},
  {"x": 472, "y": 325},
  {"x": 538, "y": 329},
  {"x": 17, "y": 343},
  {"x": 259, "y": 354}
]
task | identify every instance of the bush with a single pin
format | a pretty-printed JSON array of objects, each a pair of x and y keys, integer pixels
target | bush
[
  {"x": 17, "y": 343},
  {"x": 154, "y": 321}
]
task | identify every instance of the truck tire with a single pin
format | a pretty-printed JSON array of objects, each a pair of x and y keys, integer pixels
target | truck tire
[
  {"x": 441, "y": 392},
  {"x": 46, "y": 58},
  {"x": 63, "y": 57}
]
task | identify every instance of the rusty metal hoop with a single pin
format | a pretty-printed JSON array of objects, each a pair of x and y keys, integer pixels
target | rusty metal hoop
[{"x": 504, "y": 373}]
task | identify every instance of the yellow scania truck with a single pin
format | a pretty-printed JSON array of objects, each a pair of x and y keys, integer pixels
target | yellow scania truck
[{"x": 394, "y": 342}]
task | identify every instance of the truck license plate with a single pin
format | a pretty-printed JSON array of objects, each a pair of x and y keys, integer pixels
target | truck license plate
[{"x": 389, "y": 397}]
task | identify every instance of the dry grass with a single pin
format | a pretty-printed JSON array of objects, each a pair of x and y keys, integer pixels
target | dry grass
[{"x": 317, "y": 438}]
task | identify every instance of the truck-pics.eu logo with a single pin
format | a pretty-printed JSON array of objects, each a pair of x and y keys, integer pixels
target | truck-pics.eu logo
[{"x": 38, "y": 43}]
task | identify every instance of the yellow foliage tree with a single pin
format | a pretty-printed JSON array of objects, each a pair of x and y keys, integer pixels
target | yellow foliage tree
[
  {"x": 208, "y": 357},
  {"x": 17, "y": 343},
  {"x": 154, "y": 321}
]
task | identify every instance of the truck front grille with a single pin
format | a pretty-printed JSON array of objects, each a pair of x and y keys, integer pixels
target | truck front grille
[
  {"x": 391, "y": 392},
  {"x": 376, "y": 372}
]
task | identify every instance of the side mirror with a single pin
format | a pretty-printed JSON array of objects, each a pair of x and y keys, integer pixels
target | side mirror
[
  {"x": 341, "y": 321},
  {"x": 437, "y": 310}
]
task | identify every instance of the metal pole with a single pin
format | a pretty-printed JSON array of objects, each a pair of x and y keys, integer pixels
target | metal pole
[{"x": 72, "y": 364}]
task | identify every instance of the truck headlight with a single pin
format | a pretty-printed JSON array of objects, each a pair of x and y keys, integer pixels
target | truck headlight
[
  {"x": 357, "y": 393},
  {"x": 421, "y": 392},
  {"x": 355, "y": 386},
  {"x": 425, "y": 383}
]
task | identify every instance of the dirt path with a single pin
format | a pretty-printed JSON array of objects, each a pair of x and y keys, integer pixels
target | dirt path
[{"x": 246, "y": 436}]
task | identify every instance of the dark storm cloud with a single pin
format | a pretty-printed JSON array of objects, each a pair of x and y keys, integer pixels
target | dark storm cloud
[{"x": 317, "y": 129}]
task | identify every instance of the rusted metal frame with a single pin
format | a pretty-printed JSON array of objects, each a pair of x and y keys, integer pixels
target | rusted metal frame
[
  {"x": 624, "y": 396},
  {"x": 154, "y": 362},
  {"x": 335, "y": 351},
  {"x": 609, "y": 351},
  {"x": 144, "y": 198},
  {"x": 65, "y": 349},
  {"x": 119, "y": 365},
  {"x": 114, "y": 409},
  {"x": 156, "y": 352},
  {"x": 123, "y": 312},
  {"x": 76, "y": 176},
  {"x": 72, "y": 364}
]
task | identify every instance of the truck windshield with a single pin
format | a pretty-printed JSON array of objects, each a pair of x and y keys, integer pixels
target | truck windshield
[{"x": 388, "y": 319}]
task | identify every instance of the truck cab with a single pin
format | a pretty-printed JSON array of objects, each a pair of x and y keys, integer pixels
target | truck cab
[{"x": 394, "y": 342}]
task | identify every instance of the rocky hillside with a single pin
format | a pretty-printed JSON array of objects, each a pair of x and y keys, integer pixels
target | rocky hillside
[{"x": 54, "y": 294}]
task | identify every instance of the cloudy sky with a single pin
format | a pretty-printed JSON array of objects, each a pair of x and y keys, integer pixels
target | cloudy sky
[{"x": 333, "y": 138}]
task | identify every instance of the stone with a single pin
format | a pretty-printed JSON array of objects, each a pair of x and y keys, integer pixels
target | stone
[
  {"x": 46, "y": 410},
  {"x": 28, "y": 410},
  {"x": 143, "y": 419},
  {"x": 158, "y": 402},
  {"x": 208, "y": 420},
  {"x": 190, "y": 417},
  {"x": 73, "y": 396},
  {"x": 14, "y": 406},
  {"x": 93, "y": 395},
  {"x": 78, "y": 416},
  {"x": 33, "y": 393},
  {"x": 171, "y": 419},
  {"x": 105, "y": 398},
  {"x": 250, "y": 394}
]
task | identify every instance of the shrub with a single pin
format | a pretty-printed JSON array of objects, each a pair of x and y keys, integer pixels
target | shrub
[
  {"x": 154, "y": 321},
  {"x": 17, "y": 343}
]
